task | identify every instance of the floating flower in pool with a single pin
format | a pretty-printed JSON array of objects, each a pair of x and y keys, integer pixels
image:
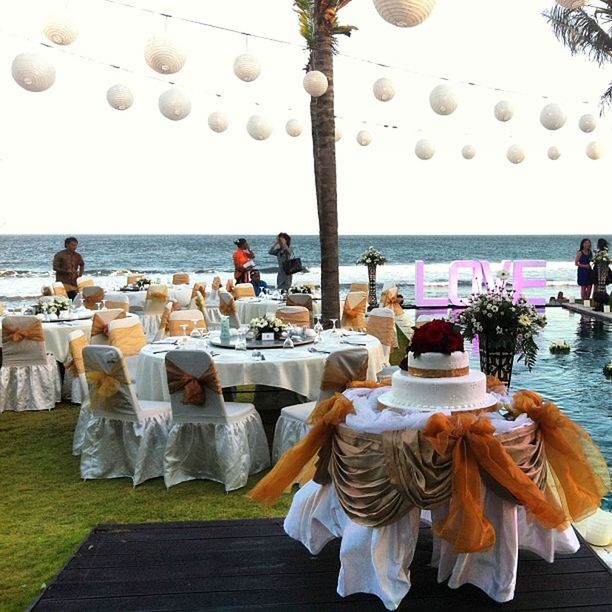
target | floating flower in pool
[
  {"x": 559, "y": 346},
  {"x": 607, "y": 369}
]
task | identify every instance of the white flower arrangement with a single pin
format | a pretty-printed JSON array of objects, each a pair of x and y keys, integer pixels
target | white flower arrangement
[
  {"x": 58, "y": 304},
  {"x": 301, "y": 289},
  {"x": 602, "y": 258},
  {"x": 269, "y": 323},
  {"x": 371, "y": 257},
  {"x": 559, "y": 346}
]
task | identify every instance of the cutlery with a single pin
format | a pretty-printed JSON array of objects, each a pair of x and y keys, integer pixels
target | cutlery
[
  {"x": 353, "y": 343},
  {"x": 314, "y": 350}
]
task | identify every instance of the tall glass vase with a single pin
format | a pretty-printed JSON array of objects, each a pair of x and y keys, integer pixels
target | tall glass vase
[
  {"x": 372, "y": 302},
  {"x": 600, "y": 295},
  {"x": 495, "y": 360}
]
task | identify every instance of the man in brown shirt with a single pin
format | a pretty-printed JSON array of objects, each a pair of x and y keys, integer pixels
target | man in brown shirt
[{"x": 68, "y": 266}]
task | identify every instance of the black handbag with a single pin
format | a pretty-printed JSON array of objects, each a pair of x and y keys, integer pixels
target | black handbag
[{"x": 292, "y": 266}]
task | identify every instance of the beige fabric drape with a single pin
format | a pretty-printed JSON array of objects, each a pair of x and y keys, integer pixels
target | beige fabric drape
[
  {"x": 112, "y": 305},
  {"x": 92, "y": 295},
  {"x": 132, "y": 278},
  {"x": 382, "y": 328},
  {"x": 194, "y": 387},
  {"x": 75, "y": 364},
  {"x": 23, "y": 341},
  {"x": 343, "y": 366},
  {"x": 180, "y": 278},
  {"x": 353, "y": 313},
  {"x": 244, "y": 290},
  {"x": 129, "y": 340},
  {"x": 299, "y": 318},
  {"x": 102, "y": 319},
  {"x": 390, "y": 300}
]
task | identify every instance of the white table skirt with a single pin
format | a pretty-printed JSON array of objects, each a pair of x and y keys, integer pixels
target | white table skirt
[
  {"x": 295, "y": 369},
  {"x": 181, "y": 293}
]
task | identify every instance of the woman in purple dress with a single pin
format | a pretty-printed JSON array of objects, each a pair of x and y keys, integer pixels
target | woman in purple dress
[{"x": 585, "y": 274}]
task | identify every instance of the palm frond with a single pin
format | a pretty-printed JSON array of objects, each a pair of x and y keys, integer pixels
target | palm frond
[
  {"x": 305, "y": 11},
  {"x": 605, "y": 101},
  {"x": 345, "y": 30}
]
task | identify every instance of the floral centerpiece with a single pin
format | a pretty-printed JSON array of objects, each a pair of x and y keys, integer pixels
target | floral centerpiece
[
  {"x": 268, "y": 324},
  {"x": 54, "y": 306},
  {"x": 301, "y": 289},
  {"x": 559, "y": 346},
  {"x": 371, "y": 257},
  {"x": 435, "y": 336},
  {"x": 602, "y": 258}
]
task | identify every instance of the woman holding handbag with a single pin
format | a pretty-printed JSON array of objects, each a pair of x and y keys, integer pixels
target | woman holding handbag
[{"x": 284, "y": 255}]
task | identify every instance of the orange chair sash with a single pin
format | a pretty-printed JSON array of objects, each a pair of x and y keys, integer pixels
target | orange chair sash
[
  {"x": 91, "y": 299},
  {"x": 194, "y": 388},
  {"x": 111, "y": 305},
  {"x": 299, "y": 319},
  {"x": 129, "y": 340},
  {"x": 17, "y": 334},
  {"x": 100, "y": 326},
  {"x": 158, "y": 295},
  {"x": 392, "y": 301},
  {"x": 75, "y": 363},
  {"x": 354, "y": 311},
  {"x": 382, "y": 328},
  {"x": 227, "y": 308},
  {"x": 104, "y": 384},
  {"x": 198, "y": 289},
  {"x": 229, "y": 286}
]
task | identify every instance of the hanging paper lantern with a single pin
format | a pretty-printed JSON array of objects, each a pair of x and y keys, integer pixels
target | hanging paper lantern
[
  {"x": 443, "y": 100},
  {"x": 218, "y": 122},
  {"x": 293, "y": 127},
  {"x": 552, "y": 117},
  {"x": 163, "y": 55},
  {"x": 553, "y": 153},
  {"x": 315, "y": 83},
  {"x": 364, "y": 138},
  {"x": 424, "y": 149},
  {"x": 572, "y": 5},
  {"x": 174, "y": 104},
  {"x": 383, "y": 89},
  {"x": 337, "y": 133},
  {"x": 468, "y": 152},
  {"x": 515, "y": 154},
  {"x": 404, "y": 13},
  {"x": 60, "y": 29},
  {"x": 247, "y": 67},
  {"x": 33, "y": 72},
  {"x": 259, "y": 127},
  {"x": 119, "y": 97},
  {"x": 594, "y": 150},
  {"x": 503, "y": 111},
  {"x": 587, "y": 123}
]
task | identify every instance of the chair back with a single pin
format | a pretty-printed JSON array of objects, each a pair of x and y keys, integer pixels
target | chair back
[
  {"x": 353, "y": 313},
  {"x": 198, "y": 297},
  {"x": 59, "y": 289},
  {"x": 244, "y": 290},
  {"x": 381, "y": 324},
  {"x": 389, "y": 299},
  {"x": 180, "y": 278},
  {"x": 358, "y": 287},
  {"x": 127, "y": 335},
  {"x": 77, "y": 341},
  {"x": 99, "y": 326},
  {"x": 185, "y": 317},
  {"x": 157, "y": 297},
  {"x": 84, "y": 281},
  {"x": 229, "y": 286},
  {"x": 111, "y": 393},
  {"x": 227, "y": 307},
  {"x": 132, "y": 278},
  {"x": 47, "y": 290},
  {"x": 164, "y": 322},
  {"x": 192, "y": 377},
  {"x": 295, "y": 315},
  {"x": 116, "y": 299},
  {"x": 23, "y": 341},
  {"x": 304, "y": 300},
  {"x": 92, "y": 294},
  {"x": 341, "y": 368}
]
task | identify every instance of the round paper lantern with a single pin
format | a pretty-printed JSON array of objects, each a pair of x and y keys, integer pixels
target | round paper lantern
[
  {"x": 218, "y": 122},
  {"x": 515, "y": 154},
  {"x": 293, "y": 127},
  {"x": 33, "y": 72},
  {"x": 503, "y": 111},
  {"x": 364, "y": 138},
  {"x": 468, "y": 152},
  {"x": 163, "y": 55},
  {"x": 259, "y": 127},
  {"x": 587, "y": 123},
  {"x": 424, "y": 149},
  {"x": 553, "y": 153},
  {"x": 337, "y": 133},
  {"x": 443, "y": 100},
  {"x": 594, "y": 150},
  {"x": 247, "y": 67},
  {"x": 572, "y": 4},
  {"x": 404, "y": 13},
  {"x": 119, "y": 97},
  {"x": 60, "y": 29},
  {"x": 552, "y": 117},
  {"x": 174, "y": 104},
  {"x": 383, "y": 89},
  {"x": 315, "y": 83}
]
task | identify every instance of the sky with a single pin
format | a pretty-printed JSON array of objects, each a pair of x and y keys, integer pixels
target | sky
[{"x": 70, "y": 164}]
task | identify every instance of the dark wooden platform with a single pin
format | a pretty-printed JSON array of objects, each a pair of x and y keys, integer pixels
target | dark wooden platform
[{"x": 252, "y": 565}]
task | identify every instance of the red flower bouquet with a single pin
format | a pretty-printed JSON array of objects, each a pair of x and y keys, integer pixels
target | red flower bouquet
[{"x": 436, "y": 336}]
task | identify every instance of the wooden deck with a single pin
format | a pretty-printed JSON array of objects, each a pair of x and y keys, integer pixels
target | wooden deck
[{"x": 252, "y": 565}]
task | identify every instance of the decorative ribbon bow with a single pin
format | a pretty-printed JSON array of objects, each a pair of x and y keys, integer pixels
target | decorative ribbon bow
[
  {"x": 227, "y": 308},
  {"x": 100, "y": 326},
  {"x": 17, "y": 334},
  {"x": 195, "y": 388},
  {"x": 157, "y": 295},
  {"x": 91, "y": 299},
  {"x": 354, "y": 311},
  {"x": 105, "y": 385}
]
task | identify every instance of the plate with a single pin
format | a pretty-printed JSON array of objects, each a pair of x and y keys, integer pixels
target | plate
[{"x": 258, "y": 344}]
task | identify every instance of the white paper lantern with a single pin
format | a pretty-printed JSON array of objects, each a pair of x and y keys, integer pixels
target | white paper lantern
[
  {"x": 424, "y": 149},
  {"x": 259, "y": 127},
  {"x": 553, "y": 153},
  {"x": 337, "y": 133},
  {"x": 364, "y": 138},
  {"x": 33, "y": 72},
  {"x": 443, "y": 100},
  {"x": 587, "y": 123},
  {"x": 60, "y": 29},
  {"x": 247, "y": 67},
  {"x": 468, "y": 152},
  {"x": 404, "y": 13},
  {"x": 315, "y": 83},
  {"x": 594, "y": 150},
  {"x": 503, "y": 111},
  {"x": 572, "y": 4},
  {"x": 164, "y": 55},
  {"x": 119, "y": 97},
  {"x": 383, "y": 89},
  {"x": 293, "y": 127},
  {"x": 218, "y": 122},
  {"x": 515, "y": 154},
  {"x": 552, "y": 117},
  {"x": 174, "y": 104}
]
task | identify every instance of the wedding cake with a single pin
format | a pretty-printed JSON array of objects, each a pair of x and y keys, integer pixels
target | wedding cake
[{"x": 435, "y": 375}]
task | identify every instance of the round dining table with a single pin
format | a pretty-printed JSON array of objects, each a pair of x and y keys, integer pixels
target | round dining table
[
  {"x": 297, "y": 369},
  {"x": 180, "y": 293}
]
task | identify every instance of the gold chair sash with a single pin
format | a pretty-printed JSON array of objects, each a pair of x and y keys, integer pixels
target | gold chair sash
[
  {"x": 111, "y": 305},
  {"x": 158, "y": 295},
  {"x": 390, "y": 300},
  {"x": 100, "y": 326},
  {"x": 227, "y": 308},
  {"x": 299, "y": 319},
  {"x": 60, "y": 290},
  {"x": 129, "y": 340},
  {"x": 341, "y": 368},
  {"x": 180, "y": 278},
  {"x": 87, "y": 282},
  {"x": 303, "y": 300},
  {"x": 241, "y": 291},
  {"x": 75, "y": 363},
  {"x": 194, "y": 388},
  {"x": 382, "y": 328},
  {"x": 199, "y": 289},
  {"x": 229, "y": 286},
  {"x": 164, "y": 322},
  {"x": 16, "y": 334},
  {"x": 174, "y": 326},
  {"x": 90, "y": 300},
  {"x": 216, "y": 283},
  {"x": 105, "y": 385},
  {"x": 132, "y": 278},
  {"x": 354, "y": 316},
  {"x": 359, "y": 287}
]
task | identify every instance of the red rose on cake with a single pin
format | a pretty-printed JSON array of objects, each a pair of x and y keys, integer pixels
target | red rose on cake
[{"x": 436, "y": 336}]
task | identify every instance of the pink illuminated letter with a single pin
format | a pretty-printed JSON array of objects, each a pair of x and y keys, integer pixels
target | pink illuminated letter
[
  {"x": 489, "y": 279},
  {"x": 520, "y": 283},
  {"x": 419, "y": 289},
  {"x": 453, "y": 279}
]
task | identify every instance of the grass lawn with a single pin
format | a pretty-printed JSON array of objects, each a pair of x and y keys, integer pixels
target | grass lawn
[{"x": 47, "y": 510}]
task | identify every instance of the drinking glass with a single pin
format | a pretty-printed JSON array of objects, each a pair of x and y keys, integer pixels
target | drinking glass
[
  {"x": 241, "y": 343},
  {"x": 196, "y": 332},
  {"x": 184, "y": 327},
  {"x": 103, "y": 304},
  {"x": 334, "y": 330}
]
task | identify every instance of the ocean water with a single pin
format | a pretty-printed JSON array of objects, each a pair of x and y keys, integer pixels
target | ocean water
[{"x": 25, "y": 261}]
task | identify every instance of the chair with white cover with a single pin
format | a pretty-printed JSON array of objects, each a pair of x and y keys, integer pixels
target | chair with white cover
[
  {"x": 125, "y": 437},
  {"x": 209, "y": 439},
  {"x": 164, "y": 322},
  {"x": 84, "y": 281},
  {"x": 157, "y": 297},
  {"x": 116, "y": 299},
  {"x": 198, "y": 297},
  {"x": 294, "y": 315},
  {"x": 229, "y": 286},
  {"x": 359, "y": 287},
  {"x": 59, "y": 289},
  {"x": 180, "y": 278},
  {"x": 353, "y": 312},
  {"x": 99, "y": 325},
  {"x": 29, "y": 378},
  {"x": 215, "y": 286},
  {"x": 381, "y": 324},
  {"x": 180, "y": 318},
  {"x": 127, "y": 335},
  {"x": 301, "y": 299},
  {"x": 92, "y": 296},
  {"x": 227, "y": 307},
  {"x": 244, "y": 290},
  {"x": 133, "y": 278},
  {"x": 77, "y": 341},
  {"x": 341, "y": 368}
]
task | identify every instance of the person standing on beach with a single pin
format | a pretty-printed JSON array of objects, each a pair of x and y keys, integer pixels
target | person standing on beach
[
  {"x": 243, "y": 261},
  {"x": 583, "y": 262},
  {"x": 283, "y": 252},
  {"x": 68, "y": 266}
]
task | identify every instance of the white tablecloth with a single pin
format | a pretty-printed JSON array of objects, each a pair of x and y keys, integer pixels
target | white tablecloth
[
  {"x": 181, "y": 293},
  {"x": 295, "y": 369}
]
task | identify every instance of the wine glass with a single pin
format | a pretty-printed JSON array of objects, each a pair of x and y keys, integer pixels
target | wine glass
[
  {"x": 196, "y": 332},
  {"x": 184, "y": 327},
  {"x": 103, "y": 304},
  {"x": 334, "y": 330}
]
